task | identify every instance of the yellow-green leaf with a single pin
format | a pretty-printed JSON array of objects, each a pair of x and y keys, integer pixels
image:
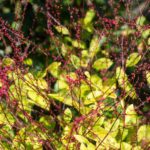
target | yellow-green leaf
[
  {"x": 78, "y": 44},
  {"x": 94, "y": 46},
  {"x": 38, "y": 99},
  {"x": 62, "y": 29},
  {"x": 89, "y": 16},
  {"x": 54, "y": 69},
  {"x": 148, "y": 76},
  {"x": 67, "y": 115},
  {"x": 102, "y": 63},
  {"x": 28, "y": 62},
  {"x": 141, "y": 133},
  {"x": 125, "y": 146},
  {"x": 75, "y": 61},
  {"x": 146, "y": 33},
  {"x": 124, "y": 83},
  {"x": 133, "y": 59},
  {"x": 131, "y": 116},
  {"x": 81, "y": 139}
]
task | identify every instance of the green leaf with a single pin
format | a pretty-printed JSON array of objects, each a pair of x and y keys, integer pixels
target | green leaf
[
  {"x": 75, "y": 61},
  {"x": 140, "y": 22},
  {"x": 67, "y": 115},
  {"x": 42, "y": 74},
  {"x": 54, "y": 69},
  {"x": 133, "y": 59},
  {"x": 148, "y": 76},
  {"x": 102, "y": 63},
  {"x": 47, "y": 122},
  {"x": 141, "y": 133},
  {"x": 62, "y": 29},
  {"x": 124, "y": 83},
  {"x": 89, "y": 16},
  {"x": 78, "y": 44},
  {"x": 25, "y": 140},
  {"x": 7, "y": 62},
  {"x": 92, "y": 97},
  {"x": 131, "y": 116},
  {"x": 38, "y": 99},
  {"x": 94, "y": 46},
  {"x": 125, "y": 146},
  {"x": 28, "y": 62},
  {"x": 83, "y": 140},
  {"x": 146, "y": 33},
  {"x": 62, "y": 96}
]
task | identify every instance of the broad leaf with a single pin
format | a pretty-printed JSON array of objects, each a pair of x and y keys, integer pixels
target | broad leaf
[
  {"x": 75, "y": 61},
  {"x": 81, "y": 139},
  {"x": 62, "y": 29},
  {"x": 124, "y": 83},
  {"x": 89, "y": 16},
  {"x": 133, "y": 59},
  {"x": 54, "y": 69},
  {"x": 102, "y": 63},
  {"x": 94, "y": 46}
]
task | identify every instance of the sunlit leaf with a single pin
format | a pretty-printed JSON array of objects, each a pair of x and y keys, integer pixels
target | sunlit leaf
[
  {"x": 102, "y": 63},
  {"x": 54, "y": 68},
  {"x": 94, "y": 46},
  {"x": 131, "y": 116},
  {"x": 148, "y": 76},
  {"x": 28, "y": 62},
  {"x": 125, "y": 146},
  {"x": 62, "y": 96},
  {"x": 83, "y": 140},
  {"x": 89, "y": 16},
  {"x": 67, "y": 115},
  {"x": 75, "y": 61},
  {"x": 62, "y": 29},
  {"x": 7, "y": 62},
  {"x": 92, "y": 97},
  {"x": 78, "y": 44},
  {"x": 38, "y": 99},
  {"x": 124, "y": 83},
  {"x": 133, "y": 59},
  {"x": 141, "y": 132},
  {"x": 146, "y": 33}
]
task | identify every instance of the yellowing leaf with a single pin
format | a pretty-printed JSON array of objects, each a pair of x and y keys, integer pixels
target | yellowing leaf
[
  {"x": 89, "y": 16},
  {"x": 146, "y": 33},
  {"x": 67, "y": 115},
  {"x": 42, "y": 84},
  {"x": 141, "y": 133},
  {"x": 62, "y": 29},
  {"x": 140, "y": 22},
  {"x": 28, "y": 62},
  {"x": 7, "y": 62},
  {"x": 125, "y": 146},
  {"x": 75, "y": 61},
  {"x": 124, "y": 83},
  {"x": 94, "y": 46},
  {"x": 148, "y": 76},
  {"x": 37, "y": 99},
  {"x": 54, "y": 69},
  {"x": 78, "y": 44},
  {"x": 1, "y": 84},
  {"x": 62, "y": 96},
  {"x": 102, "y": 63},
  {"x": 131, "y": 116},
  {"x": 42, "y": 74},
  {"x": 81, "y": 139},
  {"x": 92, "y": 96},
  {"x": 133, "y": 59},
  {"x": 61, "y": 84}
]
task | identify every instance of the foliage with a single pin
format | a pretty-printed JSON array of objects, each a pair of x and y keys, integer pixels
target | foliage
[{"x": 73, "y": 83}]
